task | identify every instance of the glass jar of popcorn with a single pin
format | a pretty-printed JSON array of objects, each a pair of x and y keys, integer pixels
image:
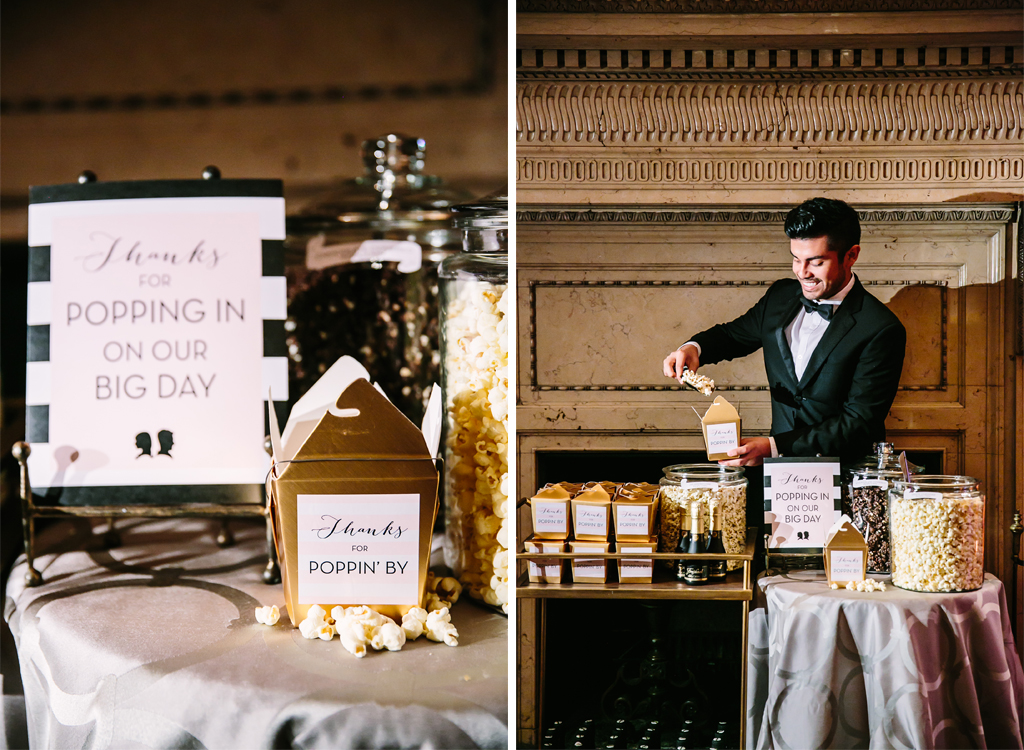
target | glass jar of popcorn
[
  {"x": 937, "y": 533},
  {"x": 868, "y": 493},
  {"x": 474, "y": 367},
  {"x": 709, "y": 485}
]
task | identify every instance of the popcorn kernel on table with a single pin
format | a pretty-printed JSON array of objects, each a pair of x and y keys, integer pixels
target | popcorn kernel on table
[{"x": 268, "y": 615}]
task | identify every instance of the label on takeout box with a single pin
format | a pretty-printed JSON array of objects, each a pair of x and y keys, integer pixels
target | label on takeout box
[
  {"x": 591, "y": 520},
  {"x": 632, "y": 520},
  {"x": 550, "y": 517},
  {"x": 358, "y": 548},
  {"x": 847, "y": 565},
  {"x": 722, "y": 437}
]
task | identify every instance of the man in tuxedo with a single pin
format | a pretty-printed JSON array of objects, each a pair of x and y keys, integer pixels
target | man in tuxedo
[{"x": 833, "y": 353}]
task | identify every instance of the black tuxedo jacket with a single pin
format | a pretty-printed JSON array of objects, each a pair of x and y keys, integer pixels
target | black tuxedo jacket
[{"x": 838, "y": 407}]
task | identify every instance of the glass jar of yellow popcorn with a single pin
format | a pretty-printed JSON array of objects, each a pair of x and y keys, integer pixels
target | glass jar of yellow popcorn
[
  {"x": 709, "y": 485},
  {"x": 937, "y": 533},
  {"x": 474, "y": 369}
]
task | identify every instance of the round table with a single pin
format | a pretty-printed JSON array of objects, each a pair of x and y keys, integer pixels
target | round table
[
  {"x": 155, "y": 644},
  {"x": 892, "y": 669}
]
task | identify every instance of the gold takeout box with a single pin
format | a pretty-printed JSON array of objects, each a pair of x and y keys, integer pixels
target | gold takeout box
[
  {"x": 634, "y": 513},
  {"x": 550, "y": 509},
  {"x": 589, "y": 570},
  {"x": 846, "y": 553},
  {"x": 722, "y": 429},
  {"x": 639, "y": 570},
  {"x": 354, "y": 505},
  {"x": 545, "y": 571},
  {"x": 591, "y": 514}
]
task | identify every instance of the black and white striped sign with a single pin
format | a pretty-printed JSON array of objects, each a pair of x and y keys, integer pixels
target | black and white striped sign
[{"x": 155, "y": 332}]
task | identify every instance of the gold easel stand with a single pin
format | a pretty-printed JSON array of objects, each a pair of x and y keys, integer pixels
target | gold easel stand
[{"x": 30, "y": 512}]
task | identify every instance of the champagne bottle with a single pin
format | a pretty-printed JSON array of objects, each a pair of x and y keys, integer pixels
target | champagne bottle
[
  {"x": 716, "y": 568},
  {"x": 684, "y": 542},
  {"x": 696, "y": 570}
]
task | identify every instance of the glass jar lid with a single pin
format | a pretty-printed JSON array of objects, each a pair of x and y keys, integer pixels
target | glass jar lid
[
  {"x": 940, "y": 483},
  {"x": 686, "y": 473},
  {"x": 885, "y": 463},
  {"x": 392, "y": 193},
  {"x": 484, "y": 223},
  {"x": 490, "y": 212}
]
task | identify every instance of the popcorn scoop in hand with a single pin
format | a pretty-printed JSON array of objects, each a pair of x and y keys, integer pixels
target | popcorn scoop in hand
[{"x": 701, "y": 383}]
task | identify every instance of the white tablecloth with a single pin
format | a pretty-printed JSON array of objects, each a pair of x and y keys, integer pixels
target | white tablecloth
[
  {"x": 892, "y": 669},
  {"x": 155, "y": 644}
]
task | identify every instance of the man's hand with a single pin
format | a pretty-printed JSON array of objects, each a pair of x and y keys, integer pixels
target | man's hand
[
  {"x": 752, "y": 452},
  {"x": 685, "y": 357}
]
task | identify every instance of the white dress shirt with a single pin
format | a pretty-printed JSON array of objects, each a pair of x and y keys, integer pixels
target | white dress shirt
[{"x": 803, "y": 335}]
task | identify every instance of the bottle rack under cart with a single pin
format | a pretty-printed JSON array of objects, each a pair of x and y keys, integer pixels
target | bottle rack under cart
[{"x": 738, "y": 587}]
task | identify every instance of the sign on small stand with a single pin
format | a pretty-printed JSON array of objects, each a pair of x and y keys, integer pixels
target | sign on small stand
[
  {"x": 802, "y": 500},
  {"x": 155, "y": 331}
]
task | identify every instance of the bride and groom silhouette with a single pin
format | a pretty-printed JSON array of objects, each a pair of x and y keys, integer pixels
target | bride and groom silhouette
[{"x": 144, "y": 443}]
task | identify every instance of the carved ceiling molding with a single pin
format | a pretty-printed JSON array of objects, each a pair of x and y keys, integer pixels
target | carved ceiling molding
[
  {"x": 647, "y": 215},
  {"x": 689, "y": 60},
  {"x": 757, "y": 6},
  {"x": 774, "y": 113},
  {"x": 1000, "y": 172}
]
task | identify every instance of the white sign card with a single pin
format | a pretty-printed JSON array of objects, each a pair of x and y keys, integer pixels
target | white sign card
[
  {"x": 358, "y": 549},
  {"x": 592, "y": 519},
  {"x": 551, "y": 518},
  {"x": 632, "y": 519},
  {"x": 722, "y": 437},
  {"x": 846, "y": 565},
  {"x": 156, "y": 314},
  {"x": 801, "y": 502}
]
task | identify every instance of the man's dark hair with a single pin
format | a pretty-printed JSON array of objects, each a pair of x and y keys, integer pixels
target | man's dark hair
[{"x": 825, "y": 217}]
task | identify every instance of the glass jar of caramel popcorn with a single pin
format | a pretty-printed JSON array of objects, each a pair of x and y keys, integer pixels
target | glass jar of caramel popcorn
[
  {"x": 937, "y": 533},
  {"x": 868, "y": 493},
  {"x": 708, "y": 485},
  {"x": 361, "y": 261},
  {"x": 474, "y": 368}
]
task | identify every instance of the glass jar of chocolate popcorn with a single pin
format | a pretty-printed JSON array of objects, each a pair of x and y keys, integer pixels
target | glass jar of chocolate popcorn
[
  {"x": 868, "y": 493},
  {"x": 475, "y": 299},
  {"x": 937, "y": 533},
  {"x": 361, "y": 262},
  {"x": 710, "y": 485}
]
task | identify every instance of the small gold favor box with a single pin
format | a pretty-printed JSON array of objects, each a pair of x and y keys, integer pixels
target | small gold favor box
[
  {"x": 846, "y": 553},
  {"x": 589, "y": 571},
  {"x": 637, "y": 570},
  {"x": 545, "y": 571},
  {"x": 591, "y": 514},
  {"x": 354, "y": 507}
]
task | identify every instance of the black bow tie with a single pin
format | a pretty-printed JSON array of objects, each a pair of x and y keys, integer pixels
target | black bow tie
[{"x": 825, "y": 311}]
